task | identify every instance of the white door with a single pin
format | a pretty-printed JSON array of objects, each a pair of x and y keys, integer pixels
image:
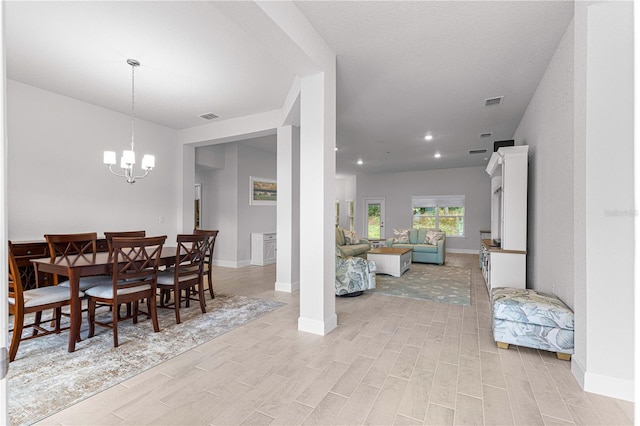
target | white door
[{"x": 374, "y": 218}]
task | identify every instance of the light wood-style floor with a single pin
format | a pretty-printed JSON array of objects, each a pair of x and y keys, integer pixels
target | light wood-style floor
[{"x": 389, "y": 361}]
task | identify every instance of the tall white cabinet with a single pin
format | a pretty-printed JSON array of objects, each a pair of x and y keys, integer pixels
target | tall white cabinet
[{"x": 504, "y": 255}]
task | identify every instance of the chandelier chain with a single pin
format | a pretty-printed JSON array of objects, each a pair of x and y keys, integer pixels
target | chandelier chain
[{"x": 133, "y": 107}]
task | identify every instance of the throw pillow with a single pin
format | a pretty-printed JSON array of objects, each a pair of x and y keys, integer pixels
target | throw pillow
[
  {"x": 401, "y": 236},
  {"x": 433, "y": 237},
  {"x": 351, "y": 238}
]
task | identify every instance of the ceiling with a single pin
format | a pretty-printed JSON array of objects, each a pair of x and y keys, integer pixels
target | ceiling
[{"x": 404, "y": 69}]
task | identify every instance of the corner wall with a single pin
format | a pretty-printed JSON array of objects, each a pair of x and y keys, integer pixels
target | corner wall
[
  {"x": 225, "y": 193},
  {"x": 547, "y": 127},
  {"x": 57, "y": 182}
]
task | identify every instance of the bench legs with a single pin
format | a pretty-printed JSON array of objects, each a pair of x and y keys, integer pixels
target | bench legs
[{"x": 561, "y": 356}]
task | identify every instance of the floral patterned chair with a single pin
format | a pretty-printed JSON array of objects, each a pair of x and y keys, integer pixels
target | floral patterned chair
[{"x": 354, "y": 275}]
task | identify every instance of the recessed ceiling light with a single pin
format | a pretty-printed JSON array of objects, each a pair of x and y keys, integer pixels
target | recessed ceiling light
[
  {"x": 437, "y": 155},
  {"x": 428, "y": 137},
  {"x": 360, "y": 162},
  {"x": 336, "y": 148}
]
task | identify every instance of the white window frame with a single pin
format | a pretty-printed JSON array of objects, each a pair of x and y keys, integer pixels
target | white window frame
[
  {"x": 438, "y": 201},
  {"x": 351, "y": 217}
]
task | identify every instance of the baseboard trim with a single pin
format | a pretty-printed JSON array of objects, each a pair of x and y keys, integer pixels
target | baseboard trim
[
  {"x": 231, "y": 264},
  {"x": 321, "y": 328},
  {"x": 462, "y": 251},
  {"x": 612, "y": 387},
  {"x": 288, "y": 287}
]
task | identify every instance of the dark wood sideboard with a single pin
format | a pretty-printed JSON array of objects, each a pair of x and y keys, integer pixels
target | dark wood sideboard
[{"x": 24, "y": 251}]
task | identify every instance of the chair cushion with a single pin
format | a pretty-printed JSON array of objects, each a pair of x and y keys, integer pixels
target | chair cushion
[
  {"x": 106, "y": 291},
  {"x": 166, "y": 278},
  {"x": 425, "y": 248},
  {"x": 44, "y": 296},
  {"x": 532, "y": 307},
  {"x": 88, "y": 282}
]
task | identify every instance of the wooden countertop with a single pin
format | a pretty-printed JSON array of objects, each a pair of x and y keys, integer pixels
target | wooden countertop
[{"x": 488, "y": 244}]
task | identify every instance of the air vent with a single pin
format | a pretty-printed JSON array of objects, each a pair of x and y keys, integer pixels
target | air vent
[
  {"x": 477, "y": 151},
  {"x": 493, "y": 101},
  {"x": 209, "y": 116},
  {"x": 486, "y": 135}
]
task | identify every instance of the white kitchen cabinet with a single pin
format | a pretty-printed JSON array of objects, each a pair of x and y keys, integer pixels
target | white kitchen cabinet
[{"x": 263, "y": 248}]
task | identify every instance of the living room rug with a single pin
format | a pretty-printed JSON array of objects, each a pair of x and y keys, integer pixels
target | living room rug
[
  {"x": 438, "y": 283},
  {"x": 45, "y": 378}
]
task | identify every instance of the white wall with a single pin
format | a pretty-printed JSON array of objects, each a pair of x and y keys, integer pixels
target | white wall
[
  {"x": 579, "y": 126},
  {"x": 609, "y": 201},
  {"x": 251, "y": 218},
  {"x": 397, "y": 189},
  {"x": 547, "y": 127},
  {"x": 225, "y": 193},
  {"x": 57, "y": 182}
]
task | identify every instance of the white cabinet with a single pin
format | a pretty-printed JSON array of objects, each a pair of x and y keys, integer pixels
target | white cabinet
[
  {"x": 263, "y": 248},
  {"x": 504, "y": 255}
]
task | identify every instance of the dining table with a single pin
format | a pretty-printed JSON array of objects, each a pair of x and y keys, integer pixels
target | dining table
[{"x": 84, "y": 265}]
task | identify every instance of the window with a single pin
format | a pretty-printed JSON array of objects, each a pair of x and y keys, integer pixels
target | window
[
  {"x": 444, "y": 212},
  {"x": 350, "y": 214},
  {"x": 337, "y": 213}
]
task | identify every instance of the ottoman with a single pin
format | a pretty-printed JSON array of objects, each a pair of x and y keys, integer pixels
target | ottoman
[{"x": 533, "y": 319}]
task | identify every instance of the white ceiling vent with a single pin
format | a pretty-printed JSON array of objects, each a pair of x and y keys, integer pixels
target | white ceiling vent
[
  {"x": 209, "y": 116},
  {"x": 486, "y": 135},
  {"x": 493, "y": 101},
  {"x": 477, "y": 151}
]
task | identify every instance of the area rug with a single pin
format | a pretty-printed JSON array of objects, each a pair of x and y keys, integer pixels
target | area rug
[
  {"x": 45, "y": 378},
  {"x": 438, "y": 283}
]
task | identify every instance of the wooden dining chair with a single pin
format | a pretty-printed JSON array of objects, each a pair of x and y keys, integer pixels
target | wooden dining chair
[
  {"x": 75, "y": 244},
  {"x": 37, "y": 300},
  {"x": 134, "y": 277},
  {"x": 208, "y": 260},
  {"x": 122, "y": 234},
  {"x": 186, "y": 274}
]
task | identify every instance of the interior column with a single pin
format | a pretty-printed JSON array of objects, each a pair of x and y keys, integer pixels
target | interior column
[
  {"x": 317, "y": 195},
  {"x": 288, "y": 210}
]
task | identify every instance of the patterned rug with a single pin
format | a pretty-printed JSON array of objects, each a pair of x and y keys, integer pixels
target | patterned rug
[
  {"x": 45, "y": 378},
  {"x": 439, "y": 283}
]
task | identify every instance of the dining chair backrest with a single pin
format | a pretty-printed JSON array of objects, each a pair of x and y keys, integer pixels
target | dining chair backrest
[
  {"x": 15, "y": 282},
  {"x": 211, "y": 241},
  {"x": 136, "y": 261},
  {"x": 208, "y": 260},
  {"x": 190, "y": 254},
  {"x": 126, "y": 234},
  {"x": 70, "y": 244}
]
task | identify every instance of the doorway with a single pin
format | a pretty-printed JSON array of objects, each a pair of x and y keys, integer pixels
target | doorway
[{"x": 374, "y": 218}]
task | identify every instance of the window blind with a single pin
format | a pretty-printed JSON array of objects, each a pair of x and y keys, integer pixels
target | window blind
[{"x": 437, "y": 201}]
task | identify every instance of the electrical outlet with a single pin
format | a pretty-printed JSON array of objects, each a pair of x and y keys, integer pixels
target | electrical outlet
[{"x": 160, "y": 219}]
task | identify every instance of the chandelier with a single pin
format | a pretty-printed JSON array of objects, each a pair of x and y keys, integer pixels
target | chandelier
[{"x": 128, "y": 158}]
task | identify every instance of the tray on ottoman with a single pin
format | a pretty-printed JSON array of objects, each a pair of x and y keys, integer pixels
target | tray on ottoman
[{"x": 533, "y": 319}]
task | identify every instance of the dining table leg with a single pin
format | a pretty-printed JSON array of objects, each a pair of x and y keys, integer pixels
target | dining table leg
[{"x": 76, "y": 309}]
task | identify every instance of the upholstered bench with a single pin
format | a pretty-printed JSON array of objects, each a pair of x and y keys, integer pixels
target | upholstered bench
[{"x": 533, "y": 319}]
